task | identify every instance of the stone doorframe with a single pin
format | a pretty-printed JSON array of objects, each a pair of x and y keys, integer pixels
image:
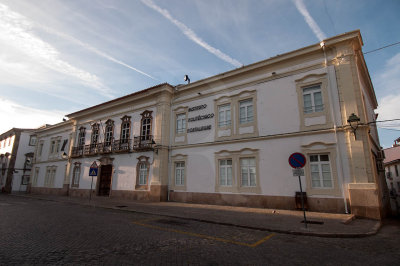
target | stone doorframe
[{"x": 105, "y": 160}]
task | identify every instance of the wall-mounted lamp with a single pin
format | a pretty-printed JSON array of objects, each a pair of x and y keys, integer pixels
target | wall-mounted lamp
[
  {"x": 353, "y": 121},
  {"x": 64, "y": 155}
]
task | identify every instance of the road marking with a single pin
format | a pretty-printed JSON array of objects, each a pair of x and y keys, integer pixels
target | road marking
[{"x": 255, "y": 244}]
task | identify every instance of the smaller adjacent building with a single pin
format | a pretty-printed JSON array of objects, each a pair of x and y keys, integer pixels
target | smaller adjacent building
[
  {"x": 50, "y": 169},
  {"x": 16, "y": 156},
  {"x": 392, "y": 168}
]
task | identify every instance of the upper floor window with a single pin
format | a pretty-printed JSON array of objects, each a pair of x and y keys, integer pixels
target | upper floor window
[
  {"x": 32, "y": 140},
  {"x": 125, "y": 128},
  {"x": 396, "y": 170},
  {"x": 248, "y": 172},
  {"x": 146, "y": 122},
  {"x": 9, "y": 140},
  {"x": 40, "y": 148},
  {"x": 320, "y": 171},
  {"x": 225, "y": 172},
  {"x": 224, "y": 115},
  {"x": 55, "y": 144},
  {"x": 95, "y": 134},
  {"x": 181, "y": 123},
  {"x": 109, "y": 134},
  {"x": 246, "y": 111},
  {"x": 312, "y": 99},
  {"x": 81, "y": 136}
]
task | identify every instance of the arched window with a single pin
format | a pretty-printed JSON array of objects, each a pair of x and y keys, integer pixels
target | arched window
[
  {"x": 76, "y": 175},
  {"x": 95, "y": 134},
  {"x": 142, "y": 172},
  {"x": 81, "y": 137},
  {"x": 146, "y": 123},
  {"x": 125, "y": 129},
  {"x": 109, "y": 133}
]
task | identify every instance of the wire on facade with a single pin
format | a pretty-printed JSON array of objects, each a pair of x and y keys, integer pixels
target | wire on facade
[{"x": 396, "y": 43}]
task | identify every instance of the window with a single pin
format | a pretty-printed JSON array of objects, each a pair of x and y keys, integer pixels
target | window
[
  {"x": 81, "y": 137},
  {"x": 52, "y": 146},
  {"x": 25, "y": 180},
  {"x": 50, "y": 176},
  {"x": 125, "y": 129},
  {"x": 76, "y": 175},
  {"x": 32, "y": 140},
  {"x": 64, "y": 144},
  {"x": 320, "y": 171},
  {"x": 179, "y": 173},
  {"x": 246, "y": 111},
  {"x": 224, "y": 115},
  {"x": 9, "y": 140},
  {"x": 109, "y": 132},
  {"x": 95, "y": 134},
  {"x": 396, "y": 170},
  {"x": 143, "y": 173},
  {"x": 35, "y": 176},
  {"x": 225, "y": 172},
  {"x": 40, "y": 148},
  {"x": 145, "y": 132},
  {"x": 181, "y": 123},
  {"x": 312, "y": 99},
  {"x": 248, "y": 172}
]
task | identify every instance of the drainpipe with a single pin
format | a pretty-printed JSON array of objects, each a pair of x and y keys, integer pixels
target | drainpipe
[{"x": 338, "y": 150}]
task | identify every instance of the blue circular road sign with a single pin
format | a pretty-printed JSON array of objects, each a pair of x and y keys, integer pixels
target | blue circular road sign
[{"x": 297, "y": 160}]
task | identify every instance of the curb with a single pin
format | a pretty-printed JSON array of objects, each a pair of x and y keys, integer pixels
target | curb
[{"x": 375, "y": 229}]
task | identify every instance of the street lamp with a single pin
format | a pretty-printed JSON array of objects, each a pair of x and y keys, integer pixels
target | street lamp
[{"x": 354, "y": 121}]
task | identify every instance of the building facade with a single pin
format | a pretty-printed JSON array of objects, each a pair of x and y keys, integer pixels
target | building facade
[
  {"x": 392, "y": 168},
  {"x": 16, "y": 156},
  {"x": 226, "y": 139},
  {"x": 50, "y": 169}
]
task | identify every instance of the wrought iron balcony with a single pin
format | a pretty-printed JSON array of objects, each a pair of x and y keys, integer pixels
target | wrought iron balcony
[{"x": 141, "y": 143}]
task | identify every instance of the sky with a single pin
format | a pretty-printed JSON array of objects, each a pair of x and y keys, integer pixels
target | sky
[{"x": 58, "y": 57}]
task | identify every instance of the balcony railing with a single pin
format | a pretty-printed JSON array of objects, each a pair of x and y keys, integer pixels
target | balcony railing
[{"x": 140, "y": 143}]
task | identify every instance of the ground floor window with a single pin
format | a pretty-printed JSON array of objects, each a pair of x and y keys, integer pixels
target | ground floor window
[
  {"x": 143, "y": 173},
  {"x": 50, "y": 176},
  {"x": 248, "y": 172},
  {"x": 76, "y": 175},
  {"x": 225, "y": 172},
  {"x": 320, "y": 171},
  {"x": 179, "y": 173},
  {"x": 35, "y": 177}
]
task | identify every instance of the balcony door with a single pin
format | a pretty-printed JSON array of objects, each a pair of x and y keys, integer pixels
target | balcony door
[{"x": 105, "y": 180}]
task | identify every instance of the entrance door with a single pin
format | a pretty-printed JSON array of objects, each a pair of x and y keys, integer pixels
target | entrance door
[{"x": 105, "y": 180}]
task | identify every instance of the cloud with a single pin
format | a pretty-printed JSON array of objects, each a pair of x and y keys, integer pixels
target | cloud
[
  {"x": 191, "y": 35},
  {"x": 16, "y": 34},
  {"x": 93, "y": 49},
  {"x": 25, "y": 117},
  {"x": 388, "y": 84},
  {"x": 310, "y": 21}
]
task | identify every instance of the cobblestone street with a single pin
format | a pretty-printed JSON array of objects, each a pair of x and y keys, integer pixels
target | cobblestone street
[{"x": 46, "y": 232}]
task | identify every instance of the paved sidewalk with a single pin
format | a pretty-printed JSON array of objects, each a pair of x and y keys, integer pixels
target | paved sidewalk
[{"x": 280, "y": 221}]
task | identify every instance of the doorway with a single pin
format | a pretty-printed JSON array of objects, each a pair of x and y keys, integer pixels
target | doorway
[{"x": 105, "y": 180}]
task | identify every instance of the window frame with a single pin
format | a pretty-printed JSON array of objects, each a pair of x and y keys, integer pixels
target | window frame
[
  {"x": 142, "y": 161},
  {"x": 312, "y": 92},
  {"x": 76, "y": 175},
  {"x": 246, "y": 106},
  {"x": 109, "y": 133},
  {"x": 146, "y": 129},
  {"x": 225, "y": 167},
  {"x": 324, "y": 149},
  {"x": 320, "y": 163},
  {"x": 225, "y": 123},
  {"x": 35, "y": 176},
  {"x": 179, "y": 159},
  {"x": 236, "y": 156},
  {"x": 125, "y": 135},
  {"x": 248, "y": 172},
  {"x": 183, "y": 121}
]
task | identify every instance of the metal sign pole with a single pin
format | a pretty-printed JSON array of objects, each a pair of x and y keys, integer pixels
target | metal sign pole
[
  {"x": 302, "y": 203},
  {"x": 90, "y": 193}
]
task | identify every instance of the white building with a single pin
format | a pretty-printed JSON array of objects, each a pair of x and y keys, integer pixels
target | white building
[
  {"x": 226, "y": 139},
  {"x": 51, "y": 159},
  {"x": 16, "y": 155},
  {"x": 392, "y": 169}
]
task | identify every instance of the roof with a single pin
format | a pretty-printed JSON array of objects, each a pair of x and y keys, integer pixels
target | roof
[
  {"x": 13, "y": 131},
  {"x": 392, "y": 154},
  {"x": 120, "y": 98}
]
